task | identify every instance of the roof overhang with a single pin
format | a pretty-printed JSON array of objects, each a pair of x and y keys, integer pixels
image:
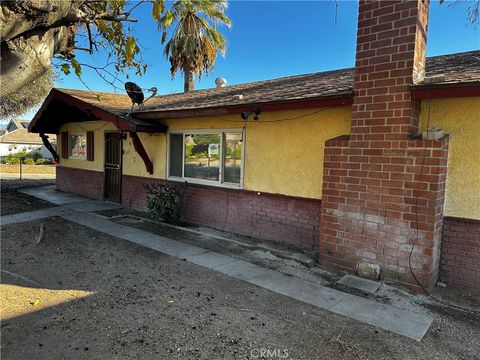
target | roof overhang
[
  {"x": 60, "y": 108},
  {"x": 319, "y": 102},
  {"x": 439, "y": 91}
]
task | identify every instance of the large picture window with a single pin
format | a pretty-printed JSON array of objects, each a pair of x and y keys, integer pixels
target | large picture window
[
  {"x": 77, "y": 145},
  {"x": 213, "y": 157}
]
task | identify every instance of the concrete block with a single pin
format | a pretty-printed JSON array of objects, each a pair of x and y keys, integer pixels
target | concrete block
[
  {"x": 365, "y": 285},
  {"x": 368, "y": 270}
]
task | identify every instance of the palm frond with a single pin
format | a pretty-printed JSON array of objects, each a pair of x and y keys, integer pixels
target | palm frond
[{"x": 194, "y": 41}]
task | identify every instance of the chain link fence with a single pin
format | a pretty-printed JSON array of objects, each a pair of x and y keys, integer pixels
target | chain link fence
[{"x": 20, "y": 166}]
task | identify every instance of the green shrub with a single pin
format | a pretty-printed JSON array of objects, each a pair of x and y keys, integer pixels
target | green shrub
[
  {"x": 42, "y": 161},
  {"x": 11, "y": 159},
  {"x": 29, "y": 161},
  {"x": 164, "y": 201}
]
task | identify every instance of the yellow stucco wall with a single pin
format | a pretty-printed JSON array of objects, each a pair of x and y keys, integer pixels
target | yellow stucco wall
[
  {"x": 155, "y": 146},
  {"x": 132, "y": 163},
  {"x": 283, "y": 154},
  {"x": 459, "y": 117},
  {"x": 283, "y": 150},
  {"x": 99, "y": 127},
  {"x": 286, "y": 157}
]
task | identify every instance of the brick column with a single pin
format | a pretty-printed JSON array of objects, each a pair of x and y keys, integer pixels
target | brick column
[{"x": 383, "y": 188}]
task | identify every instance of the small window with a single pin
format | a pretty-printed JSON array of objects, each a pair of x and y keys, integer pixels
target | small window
[
  {"x": 206, "y": 157},
  {"x": 77, "y": 145}
]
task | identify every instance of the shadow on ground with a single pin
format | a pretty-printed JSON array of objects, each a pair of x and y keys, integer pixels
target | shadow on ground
[{"x": 138, "y": 303}]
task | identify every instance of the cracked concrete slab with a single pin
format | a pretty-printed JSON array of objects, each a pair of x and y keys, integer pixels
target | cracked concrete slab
[
  {"x": 210, "y": 259},
  {"x": 49, "y": 193},
  {"x": 307, "y": 292},
  {"x": 92, "y": 205},
  {"x": 32, "y": 215},
  {"x": 402, "y": 322}
]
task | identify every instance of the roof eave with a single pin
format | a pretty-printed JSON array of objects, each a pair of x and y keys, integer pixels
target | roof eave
[
  {"x": 94, "y": 112},
  {"x": 344, "y": 99},
  {"x": 446, "y": 90}
]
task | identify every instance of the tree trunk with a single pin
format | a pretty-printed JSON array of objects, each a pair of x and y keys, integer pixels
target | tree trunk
[
  {"x": 32, "y": 32},
  {"x": 24, "y": 59},
  {"x": 20, "y": 17},
  {"x": 189, "y": 83}
]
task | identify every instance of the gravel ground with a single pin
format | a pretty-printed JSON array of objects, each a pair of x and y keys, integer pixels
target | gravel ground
[
  {"x": 279, "y": 257},
  {"x": 83, "y": 294},
  {"x": 88, "y": 295},
  {"x": 13, "y": 202}
]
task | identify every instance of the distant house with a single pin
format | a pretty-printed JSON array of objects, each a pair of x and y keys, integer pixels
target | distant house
[
  {"x": 16, "y": 124},
  {"x": 331, "y": 161},
  {"x": 17, "y": 139}
]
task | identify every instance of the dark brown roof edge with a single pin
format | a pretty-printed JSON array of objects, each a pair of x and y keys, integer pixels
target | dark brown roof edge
[
  {"x": 301, "y": 103},
  {"x": 445, "y": 90},
  {"x": 121, "y": 122}
]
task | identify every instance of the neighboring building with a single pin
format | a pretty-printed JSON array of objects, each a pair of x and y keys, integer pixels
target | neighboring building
[
  {"x": 16, "y": 124},
  {"x": 330, "y": 161},
  {"x": 18, "y": 140}
]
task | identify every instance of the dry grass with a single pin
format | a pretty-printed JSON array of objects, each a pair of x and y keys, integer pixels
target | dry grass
[{"x": 27, "y": 169}]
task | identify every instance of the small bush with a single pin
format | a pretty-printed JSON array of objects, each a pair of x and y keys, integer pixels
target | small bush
[
  {"x": 29, "y": 161},
  {"x": 164, "y": 201},
  {"x": 11, "y": 159},
  {"x": 42, "y": 161}
]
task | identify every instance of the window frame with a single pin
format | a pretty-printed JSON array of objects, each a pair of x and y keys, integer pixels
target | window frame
[
  {"x": 77, "y": 133},
  {"x": 222, "y": 134}
]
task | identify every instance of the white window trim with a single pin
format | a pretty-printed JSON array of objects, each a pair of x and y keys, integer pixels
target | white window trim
[
  {"x": 218, "y": 183},
  {"x": 78, "y": 133}
]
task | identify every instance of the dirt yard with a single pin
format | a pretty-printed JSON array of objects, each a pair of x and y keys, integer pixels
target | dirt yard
[
  {"x": 82, "y": 294},
  {"x": 13, "y": 202}
]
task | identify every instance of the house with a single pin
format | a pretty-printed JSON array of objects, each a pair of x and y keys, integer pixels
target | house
[
  {"x": 15, "y": 124},
  {"x": 331, "y": 161},
  {"x": 19, "y": 139}
]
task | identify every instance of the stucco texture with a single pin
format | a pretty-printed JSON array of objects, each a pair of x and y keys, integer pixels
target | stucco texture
[
  {"x": 99, "y": 128},
  {"x": 155, "y": 146},
  {"x": 283, "y": 149},
  {"x": 460, "y": 118}
]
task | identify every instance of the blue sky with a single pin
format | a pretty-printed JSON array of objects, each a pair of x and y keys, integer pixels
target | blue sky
[{"x": 272, "y": 39}]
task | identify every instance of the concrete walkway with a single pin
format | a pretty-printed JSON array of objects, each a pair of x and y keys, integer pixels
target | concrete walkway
[{"x": 77, "y": 209}]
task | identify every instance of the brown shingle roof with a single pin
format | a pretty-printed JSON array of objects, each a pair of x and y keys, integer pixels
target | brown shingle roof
[
  {"x": 21, "y": 136},
  {"x": 457, "y": 68}
]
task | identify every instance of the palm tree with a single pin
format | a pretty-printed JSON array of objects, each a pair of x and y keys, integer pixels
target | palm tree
[{"x": 195, "y": 41}]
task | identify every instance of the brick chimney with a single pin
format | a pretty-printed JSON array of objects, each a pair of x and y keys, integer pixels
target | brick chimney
[{"x": 383, "y": 188}]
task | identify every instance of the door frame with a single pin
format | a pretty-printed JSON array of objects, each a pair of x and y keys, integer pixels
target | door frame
[{"x": 121, "y": 163}]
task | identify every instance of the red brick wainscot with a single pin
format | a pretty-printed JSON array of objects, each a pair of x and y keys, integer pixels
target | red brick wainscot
[
  {"x": 460, "y": 260},
  {"x": 286, "y": 219},
  {"x": 88, "y": 183}
]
